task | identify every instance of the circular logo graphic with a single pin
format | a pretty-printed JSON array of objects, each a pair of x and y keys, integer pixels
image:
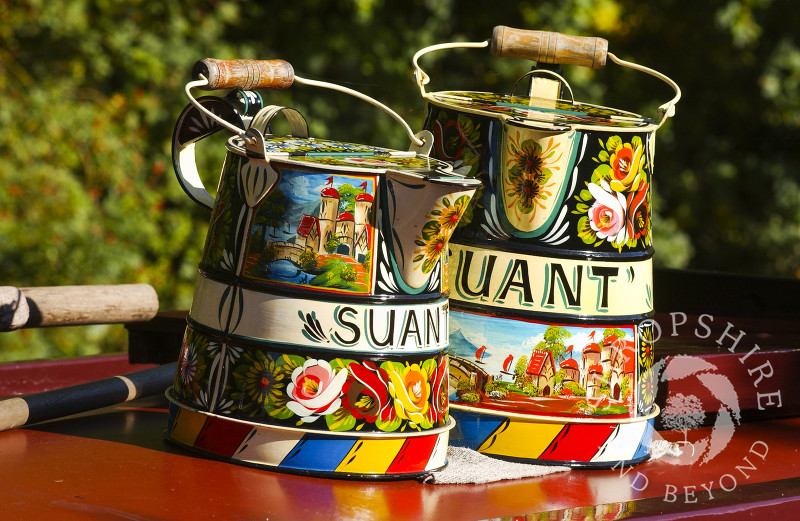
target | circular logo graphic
[{"x": 714, "y": 403}]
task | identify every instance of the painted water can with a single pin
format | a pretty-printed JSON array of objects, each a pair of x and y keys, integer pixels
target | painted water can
[
  {"x": 317, "y": 337},
  {"x": 551, "y": 335}
]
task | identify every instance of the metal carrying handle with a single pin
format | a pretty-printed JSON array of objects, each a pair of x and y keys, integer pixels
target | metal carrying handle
[
  {"x": 552, "y": 48},
  {"x": 211, "y": 74}
]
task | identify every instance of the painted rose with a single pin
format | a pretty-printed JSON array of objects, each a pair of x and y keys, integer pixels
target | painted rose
[
  {"x": 315, "y": 390},
  {"x": 627, "y": 165},
  {"x": 607, "y": 214},
  {"x": 411, "y": 391},
  {"x": 365, "y": 394},
  {"x": 638, "y": 213},
  {"x": 439, "y": 382}
]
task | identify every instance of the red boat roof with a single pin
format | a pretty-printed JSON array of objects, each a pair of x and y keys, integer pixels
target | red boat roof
[
  {"x": 345, "y": 216},
  {"x": 596, "y": 368},
  {"x": 364, "y": 197}
]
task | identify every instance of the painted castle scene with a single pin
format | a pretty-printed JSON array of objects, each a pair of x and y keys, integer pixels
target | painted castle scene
[
  {"x": 315, "y": 230},
  {"x": 540, "y": 368}
]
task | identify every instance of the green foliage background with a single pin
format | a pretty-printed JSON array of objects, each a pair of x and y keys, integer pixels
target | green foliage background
[{"x": 89, "y": 93}]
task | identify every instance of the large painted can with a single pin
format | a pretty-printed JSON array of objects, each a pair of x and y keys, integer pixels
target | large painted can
[
  {"x": 551, "y": 268},
  {"x": 317, "y": 337}
]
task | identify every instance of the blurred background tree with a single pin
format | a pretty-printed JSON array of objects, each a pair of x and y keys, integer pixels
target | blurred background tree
[{"x": 91, "y": 90}]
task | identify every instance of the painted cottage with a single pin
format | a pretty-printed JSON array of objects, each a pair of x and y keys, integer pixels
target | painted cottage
[
  {"x": 308, "y": 233},
  {"x": 542, "y": 368}
]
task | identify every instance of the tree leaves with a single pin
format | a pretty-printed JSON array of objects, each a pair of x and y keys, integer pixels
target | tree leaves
[{"x": 90, "y": 93}]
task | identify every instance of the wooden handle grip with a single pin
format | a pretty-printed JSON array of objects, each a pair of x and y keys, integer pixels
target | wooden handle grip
[
  {"x": 76, "y": 305},
  {"x": 244, "y": 74},
  {"x": 58, "y": 403},
  {"x": 549, "y": 47}
]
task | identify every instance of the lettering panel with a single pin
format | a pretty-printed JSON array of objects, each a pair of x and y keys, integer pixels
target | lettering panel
[
  {"x": 550, "y": 285},
  {"x": 386, "y": 327}
]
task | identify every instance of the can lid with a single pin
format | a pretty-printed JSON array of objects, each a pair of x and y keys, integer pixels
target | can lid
[
  {"x": 539, "y": 110},
  {"x": 327, "y": 153}
]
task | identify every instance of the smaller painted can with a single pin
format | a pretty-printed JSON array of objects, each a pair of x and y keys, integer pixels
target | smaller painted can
[{"x": 317, "y": 338}]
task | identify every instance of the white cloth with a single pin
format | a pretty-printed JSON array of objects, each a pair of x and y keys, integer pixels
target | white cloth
[
  {"x": 465, "y": 466},
  {"x": 468, "y": 466},
  {"x": 660, "y": 448}
]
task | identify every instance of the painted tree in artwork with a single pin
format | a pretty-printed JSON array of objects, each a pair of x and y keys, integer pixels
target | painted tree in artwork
[
  {"x": 553, "y": 341},
  {"x": 271, "y": 214},
  {"x": 519, "y": 371},
  {"x": 613, "y": 331}
]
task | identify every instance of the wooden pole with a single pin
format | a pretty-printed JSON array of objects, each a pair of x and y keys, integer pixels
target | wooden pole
[
  {"x": 76, "y": 305},
  {"x": 58, "y": 403}
]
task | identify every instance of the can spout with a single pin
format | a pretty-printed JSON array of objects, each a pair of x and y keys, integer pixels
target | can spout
[{"x": 423, "y": 210}]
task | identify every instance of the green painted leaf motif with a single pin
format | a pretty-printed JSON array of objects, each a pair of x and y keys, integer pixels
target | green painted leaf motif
[
  {"x": 636, "y": 142},
  {"x": 613, "y": 142},
  {"x": 340, "y": 420},
  {"x": 470, "y": 129},
  {"x": 603, "y": 156},
  {"x": 337, "y": 364},
  {"x": 523, "y": 207},
  {"x": 429, "y": 366},
  {"x": 390, "y": 366},
  {"x": 603, "y": 172},
  {"x": 389, "y": 426},
  {"x": 290, "y": 362},
  {"x": 280, "y": 412},
  {"x": 427, "y": 265},
  {"x": 425, "y": 424},
  {"x": 431, "y": 230},
  {"x": 585, "y": 232}
]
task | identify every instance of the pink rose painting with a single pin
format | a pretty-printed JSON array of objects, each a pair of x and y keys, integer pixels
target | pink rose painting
[{"x": 315, "y": 390}]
